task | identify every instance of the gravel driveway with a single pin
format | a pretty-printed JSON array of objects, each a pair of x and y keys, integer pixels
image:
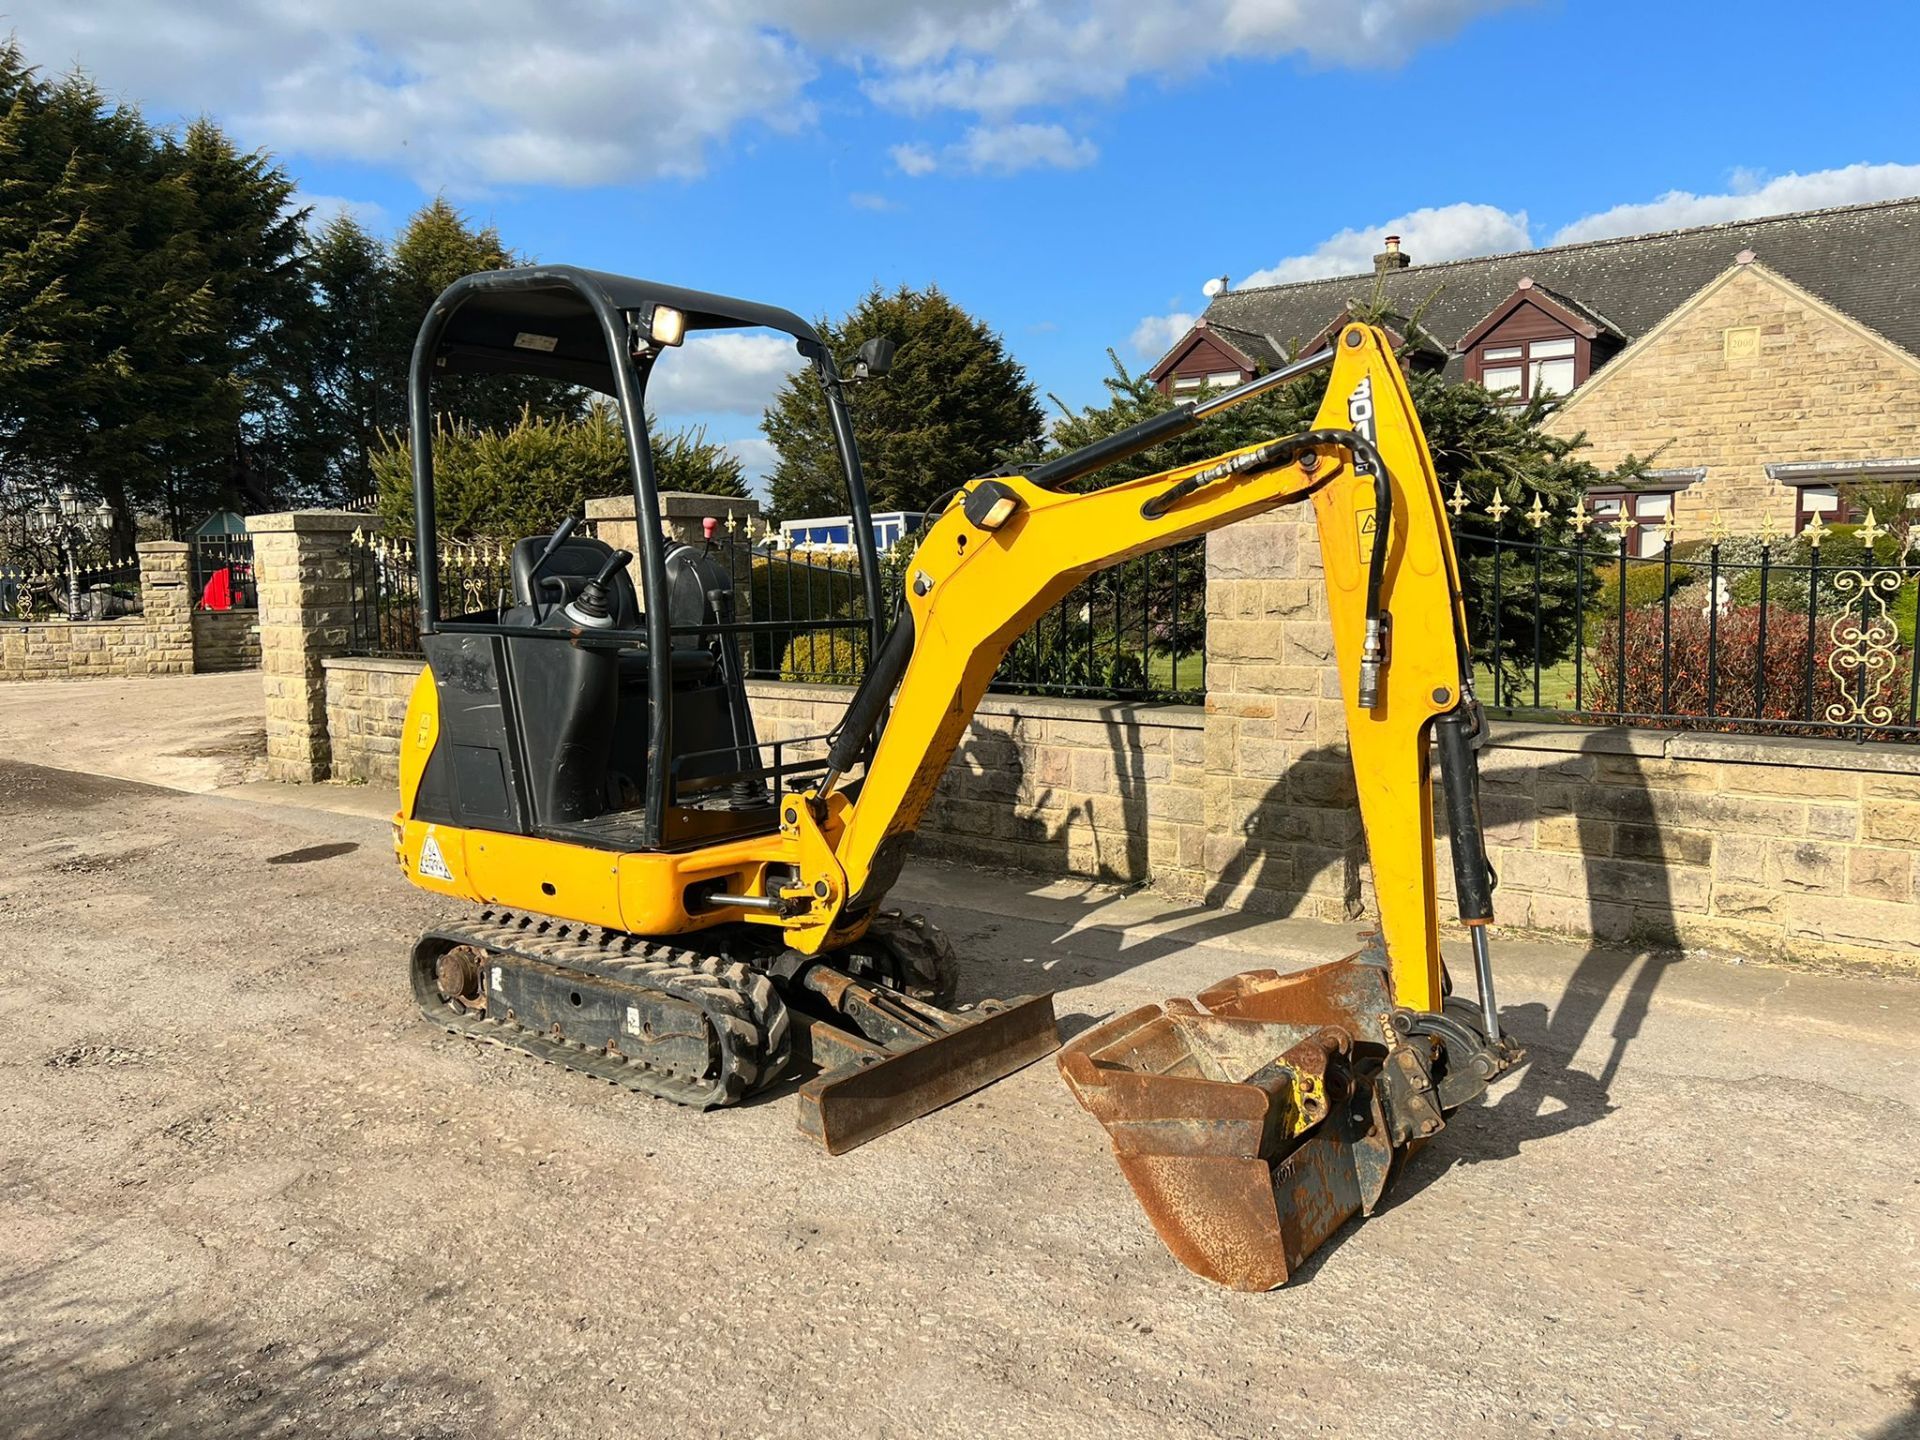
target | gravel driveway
[{"x": 247, "y": 1191}]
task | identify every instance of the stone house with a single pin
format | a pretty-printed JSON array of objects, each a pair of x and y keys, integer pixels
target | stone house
[{"x": 1772, "y": 364}]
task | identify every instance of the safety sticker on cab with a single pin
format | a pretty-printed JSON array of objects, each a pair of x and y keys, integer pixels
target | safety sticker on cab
[{"x": 432, "y": 862}]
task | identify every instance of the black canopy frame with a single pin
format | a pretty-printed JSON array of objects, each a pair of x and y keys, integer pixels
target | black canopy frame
[{"x": 579, "y": 326}]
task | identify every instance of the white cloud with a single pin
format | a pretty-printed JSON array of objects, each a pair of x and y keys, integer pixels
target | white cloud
[
  {"x": 600, "y": 91},
  {"x": 867, "y": 200},
  {"x": 1752, "y": 195},
  {"x": 1006, "y": 149},
  {"x": 1002, "y": 56},
  {"x": 1445, "y": 232},
  {"x": 914, "y": 159},
  {"x": 1155, "y": 335},
  {"x": 757, "y": 457},
  {"x": 1001, "y": 150},
  {"x": 371, "y": 214},
  {"x": 721, "y": 373}
]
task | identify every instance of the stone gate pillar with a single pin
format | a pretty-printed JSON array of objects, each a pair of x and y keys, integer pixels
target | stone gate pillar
[
  {"x": 166, "y": 606},
  {"x": 303, "y": 569},
  {"x": 1282, "y": 832}
]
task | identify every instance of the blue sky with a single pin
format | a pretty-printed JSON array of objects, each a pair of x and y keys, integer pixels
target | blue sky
[{"x": 1071, "y": 172}]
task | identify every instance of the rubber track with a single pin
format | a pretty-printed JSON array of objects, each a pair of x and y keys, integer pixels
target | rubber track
[{"x": 746, "y": 1014}]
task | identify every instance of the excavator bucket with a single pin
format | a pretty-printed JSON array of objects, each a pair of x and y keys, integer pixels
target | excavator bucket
[{"x": 1254, "y": 1121}]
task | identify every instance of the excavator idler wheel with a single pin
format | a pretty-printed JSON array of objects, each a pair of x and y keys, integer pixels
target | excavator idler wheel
[{"x": 457, "y": 973}]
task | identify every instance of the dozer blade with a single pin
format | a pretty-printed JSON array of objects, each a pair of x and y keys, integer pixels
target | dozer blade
[
  {"x": 885, "y": 1087},
  {"x": 1253, "y": 1128}
]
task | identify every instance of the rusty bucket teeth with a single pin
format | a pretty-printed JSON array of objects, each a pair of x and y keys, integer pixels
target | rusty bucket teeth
[{"x": 1249, "y": 1125}]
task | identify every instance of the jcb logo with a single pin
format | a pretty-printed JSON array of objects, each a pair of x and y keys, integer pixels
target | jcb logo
[{"x": 1360, "y": 418}]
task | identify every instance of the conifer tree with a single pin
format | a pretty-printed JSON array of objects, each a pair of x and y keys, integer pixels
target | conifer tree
[{"x": 953, "y": 404}]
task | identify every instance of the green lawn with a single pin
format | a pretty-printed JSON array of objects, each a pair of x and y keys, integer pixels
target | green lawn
[
  {"x": 1190, "y": 674},
  {"x": 1556, "y": 687}
]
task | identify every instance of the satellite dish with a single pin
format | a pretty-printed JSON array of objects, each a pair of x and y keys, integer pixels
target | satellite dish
[{"x": 1214, "y": 286}]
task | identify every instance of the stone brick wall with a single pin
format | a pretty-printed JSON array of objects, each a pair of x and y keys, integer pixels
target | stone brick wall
[
  {"x": 226, "y": 640},
  {"x": 55, "y": 650},
  {"x": 1064, "y": 787},
  {"x": 158, "y": 641},
  {"x": 1805, "y": 385},
  {"x": 1758, "y": 845},
  {"x": 1753, "y": 845},
  {"x": 366, "y": 702}
]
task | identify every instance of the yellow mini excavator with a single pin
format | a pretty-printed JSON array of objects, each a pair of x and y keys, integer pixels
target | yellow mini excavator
[{"x": 667, "y": 903}]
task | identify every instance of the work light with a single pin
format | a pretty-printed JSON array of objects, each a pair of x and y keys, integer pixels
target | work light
[
  {"x": 990, "y": 504},
  {"x": 666, "y": 326}
]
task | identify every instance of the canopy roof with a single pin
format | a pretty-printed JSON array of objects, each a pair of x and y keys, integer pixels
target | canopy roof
[{"x": 543, "y": 320}]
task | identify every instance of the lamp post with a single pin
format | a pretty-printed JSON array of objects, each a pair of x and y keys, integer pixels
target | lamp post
[{"x": 65, "y": 523}]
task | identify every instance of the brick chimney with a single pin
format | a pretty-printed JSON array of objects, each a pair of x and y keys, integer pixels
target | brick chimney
[{"x": 1391, "y": 258}]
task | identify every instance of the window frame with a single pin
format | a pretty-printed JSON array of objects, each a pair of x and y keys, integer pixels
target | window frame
[{"x": 1494, "y": 353}]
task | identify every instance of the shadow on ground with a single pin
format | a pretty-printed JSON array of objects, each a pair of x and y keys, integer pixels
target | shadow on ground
[
  {"x": 75, "y": 1368},
  {"x": 1300, "y": 820}
]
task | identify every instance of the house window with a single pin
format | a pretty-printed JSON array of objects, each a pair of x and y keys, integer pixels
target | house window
[
  {"x": 1215, "y": 380},
  {"x": 1534, "y": 367},
  {"x": 1636, "y": 517},
  {"x": 1841, "y": 492},
  {"x": 1821, "y": 500}
]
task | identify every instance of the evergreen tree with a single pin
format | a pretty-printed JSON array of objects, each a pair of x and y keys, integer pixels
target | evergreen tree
[
  {"x": 350, "y": 392},
  {"x": 438, "y": 246},
  {"x": 505, "y": 483},
  {"x": 257, "y": 290},
  {"x": 953, "y": 404}
]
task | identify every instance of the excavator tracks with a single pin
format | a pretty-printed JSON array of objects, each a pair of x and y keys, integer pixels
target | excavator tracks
[{"x": 697, "y": 1029}]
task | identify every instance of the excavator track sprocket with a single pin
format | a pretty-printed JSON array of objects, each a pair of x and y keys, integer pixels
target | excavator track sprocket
[{"x": 704, "y": 1030}]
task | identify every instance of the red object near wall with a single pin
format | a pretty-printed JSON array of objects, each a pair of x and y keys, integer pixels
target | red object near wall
[{"x": 218, "y": 591}]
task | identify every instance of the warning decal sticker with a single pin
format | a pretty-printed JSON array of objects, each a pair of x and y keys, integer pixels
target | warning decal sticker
[
  {"x": 432, "y": 862},
  {"x": 1366, "y": 520}
]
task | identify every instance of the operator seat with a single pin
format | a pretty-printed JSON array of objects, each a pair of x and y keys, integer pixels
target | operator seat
[{"x": 564, "y": 575}]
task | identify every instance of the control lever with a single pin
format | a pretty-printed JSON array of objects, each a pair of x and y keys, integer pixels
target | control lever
[
  {"x": 591, "y": 609},
  {"x": 554, "y": 542}
]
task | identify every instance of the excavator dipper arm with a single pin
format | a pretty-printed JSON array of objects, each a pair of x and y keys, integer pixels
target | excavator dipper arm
[{"x": 1253, "y": 1123}]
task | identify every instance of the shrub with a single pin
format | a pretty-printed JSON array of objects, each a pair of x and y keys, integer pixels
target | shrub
[
  {"x": 1724, "y": 657},
  {"x": 833, "y": 657}
]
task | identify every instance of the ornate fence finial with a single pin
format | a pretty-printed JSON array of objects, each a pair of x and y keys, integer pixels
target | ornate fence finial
[
  {"x": 1536, "y": 512},
  {"x": 1769, "y": 528},
  {"x": 1717, "y": 527},
  {"x": 1871, "y": 531},
  {"x": 1667, "y": 531},
  {"x": 1459, "y": 500},
  {"x": 1816, "y": 531},
  {"x": 1580, "y": 519},
  {"x": 1497, "y": 507}
]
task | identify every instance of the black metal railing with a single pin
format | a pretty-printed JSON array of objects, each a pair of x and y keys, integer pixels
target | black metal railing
[
  {"x": 107, "y": 587},
  {"x": 223, "y": 576},
  {"x": 1812, "y": 635},
  {"x": 385, "y": 589},
  {"x": 1136, "y": 632}
]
